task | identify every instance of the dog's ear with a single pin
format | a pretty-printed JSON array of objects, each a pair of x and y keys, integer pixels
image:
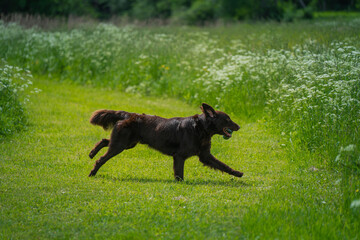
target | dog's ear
[{"x": 208, "y": 110}]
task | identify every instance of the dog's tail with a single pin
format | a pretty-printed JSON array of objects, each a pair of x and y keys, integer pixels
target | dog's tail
[{"x": 107, "y": 118}]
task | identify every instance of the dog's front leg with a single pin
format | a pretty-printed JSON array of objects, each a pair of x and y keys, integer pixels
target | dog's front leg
[
  {"x": 179, "y": 168},
  {"x": 209, "y": 160}
]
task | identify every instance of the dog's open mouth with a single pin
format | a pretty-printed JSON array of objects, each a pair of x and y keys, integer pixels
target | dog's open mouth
[{"x": 227, "y": 133}]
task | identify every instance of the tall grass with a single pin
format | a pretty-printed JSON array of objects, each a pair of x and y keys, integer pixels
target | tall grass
[{"x": 302, "y": 77}]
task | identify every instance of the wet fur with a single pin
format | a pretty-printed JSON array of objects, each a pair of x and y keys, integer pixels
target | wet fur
[{"x": 179, "y": 137}]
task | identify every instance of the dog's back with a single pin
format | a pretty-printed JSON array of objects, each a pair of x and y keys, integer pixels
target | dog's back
[{"x": 170, "y": 136}]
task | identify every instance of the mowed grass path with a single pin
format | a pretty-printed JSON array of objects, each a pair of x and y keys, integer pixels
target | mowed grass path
[{"x": 45, "y": 191}]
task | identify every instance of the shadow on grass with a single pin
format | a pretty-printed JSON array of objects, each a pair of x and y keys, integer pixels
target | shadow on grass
[{"x": 230, "y": 183}]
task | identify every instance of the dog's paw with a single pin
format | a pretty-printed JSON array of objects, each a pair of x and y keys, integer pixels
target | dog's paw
[
  {"x": 238, "y": 174},
  {"x": 179, "y": 179},
  {"x": 92, "y": 173},
  {"x": 91, "y": 154}
]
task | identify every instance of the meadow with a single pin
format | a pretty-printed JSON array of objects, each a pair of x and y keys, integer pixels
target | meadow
[{"x": 294, "y": 87}]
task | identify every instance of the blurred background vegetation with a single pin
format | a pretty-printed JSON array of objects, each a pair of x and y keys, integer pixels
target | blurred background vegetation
[{"x": 179, "y": 11}]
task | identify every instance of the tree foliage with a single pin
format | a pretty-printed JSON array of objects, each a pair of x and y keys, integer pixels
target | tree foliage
[{"x": 189, "y": 11}]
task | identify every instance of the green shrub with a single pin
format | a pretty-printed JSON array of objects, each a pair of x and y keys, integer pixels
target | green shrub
[
  {"x": 201, "y": 12},
  {"x": 311, "y": 96},
  {"x": 13, "y": 83}
]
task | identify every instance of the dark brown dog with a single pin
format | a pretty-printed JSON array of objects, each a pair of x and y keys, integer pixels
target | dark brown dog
[{"x": 180, "y": 137}]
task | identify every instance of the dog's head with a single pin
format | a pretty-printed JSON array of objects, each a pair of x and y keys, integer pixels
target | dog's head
[{"x": 219, "y": 121}]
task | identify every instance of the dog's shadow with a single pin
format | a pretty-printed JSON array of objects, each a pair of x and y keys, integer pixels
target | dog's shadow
[{"x": 230, "y": 183}]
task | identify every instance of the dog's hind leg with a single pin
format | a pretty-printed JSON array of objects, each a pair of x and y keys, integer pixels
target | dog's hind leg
[
  {"x": 179, "y": 168},
  {"x": 210, "y": 161},
  {"x": 103, "y": 143},
  {"x": 119, "y": 141},
  {"x": 112, "y": 152},
  {"x": 115, "y": 147}
]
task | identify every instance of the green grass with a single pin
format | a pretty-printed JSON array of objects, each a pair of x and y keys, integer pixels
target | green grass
[
  {"x": 45, "y": 192},
  {"x": 301, "y": 159}
]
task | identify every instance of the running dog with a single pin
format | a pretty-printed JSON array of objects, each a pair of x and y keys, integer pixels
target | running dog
[{"x": 179, "y": 137}]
